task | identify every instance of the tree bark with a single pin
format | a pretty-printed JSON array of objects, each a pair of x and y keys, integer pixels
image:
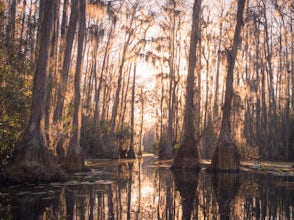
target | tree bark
[
  {"x": 75, "y": 157},
  {"x": 11, "y": 29},
  {"x": 258, "y": 133},
  {"x": 131, "y": 153},
  {"x": 216, "y": 97},
  {"x": 119, "y": 80},
  {"x": 114, "y": 151},
  {"x": 66, "y": 61},
  {"x": 52, "y": 78},
  {"x": 167, "y": 151},
  {"x": 272, "y": 113},
  {"x": 62, "y": 83},
  {"x": 33, "y": 161},
  {"x": 226, "y": 157},
  {"x": 142, "y": 99},
  {"x": 99, "y": 145},
  {"x": 125, "y": 99},
  {"x": 2, "y": 16},
  {"x": 187, "y": 156}
]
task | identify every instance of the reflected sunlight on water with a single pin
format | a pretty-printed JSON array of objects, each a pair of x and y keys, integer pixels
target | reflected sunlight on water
[{"x": 141, "y": 190}]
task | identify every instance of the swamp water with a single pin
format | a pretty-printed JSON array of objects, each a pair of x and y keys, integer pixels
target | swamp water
[{"x": 144, "y": 189}]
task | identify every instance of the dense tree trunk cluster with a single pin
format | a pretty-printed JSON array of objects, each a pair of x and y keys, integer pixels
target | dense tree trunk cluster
[
  {"x": 32, "y": 157},
  {"x": 85, "y": 78}
]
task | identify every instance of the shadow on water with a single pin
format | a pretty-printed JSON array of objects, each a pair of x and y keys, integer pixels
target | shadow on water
[
  {"x": 226, "y": 186},
  {"x": 145, "y": 189},
  {"x": 186, "y": 183}
]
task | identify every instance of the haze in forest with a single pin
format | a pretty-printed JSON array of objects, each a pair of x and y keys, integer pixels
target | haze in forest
[{"x": 185, "y": 80}]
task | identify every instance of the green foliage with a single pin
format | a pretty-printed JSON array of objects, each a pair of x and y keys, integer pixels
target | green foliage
[
  {"x": 160, "y": 146},
  {"x": 264, "y": 169},
  {"x": 14, "y": 103},
  {"x": 123, "y": 133},
  {"x": 87, "y": 141},
  {"x": 88, "y": 134},
  {"x": 209, "y": 140},
  {"x": 176, "y": 146},
  {"x": 105, "y": 126},
  {"x": 155, "y": 148},
  {"x": 249, "y": 152},
  {"x": 123, "y": 138}
]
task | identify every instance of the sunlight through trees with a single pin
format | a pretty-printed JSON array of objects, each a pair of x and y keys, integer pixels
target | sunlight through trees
[{"x": 114, "y": 78}]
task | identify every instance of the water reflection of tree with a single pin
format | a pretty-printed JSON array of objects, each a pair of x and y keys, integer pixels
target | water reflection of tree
[
  {"x": 91, "y": 202},
  {"x": 124, "y": 180},
  {"x": 33, "y": 207},
  {"x": 141, "y": 190},
  {"x": 208, "y": 207},
  {"x": 129, "y": 190},
  {"x": 70, "y": 202},
  {"x": 152, "y": 191},
  {"x": 186, "y": 183},
  {"x": 266, "y": 197},
  {"x": 166, "y": 200},
  {"x": 144, "y": 189},
  {"x": 226, "y": 186},
  {"x": 76, "y": 198}
]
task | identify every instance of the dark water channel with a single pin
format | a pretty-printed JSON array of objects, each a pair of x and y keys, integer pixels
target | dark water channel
[{"x": 142, "y": 189}]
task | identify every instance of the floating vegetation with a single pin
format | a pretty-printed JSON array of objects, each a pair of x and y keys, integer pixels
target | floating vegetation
[
  {"x": 71, "y": 183},
  {"x": 39, "y": 193},
  {"x": 104, "y": 182},
  {"x": 56, "y": 184},
  {"x": 23, "y": 193},
  {"x": 49, "y": 198}
]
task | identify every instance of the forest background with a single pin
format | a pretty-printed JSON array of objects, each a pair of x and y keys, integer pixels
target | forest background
[{"x": 116, "y": 77}]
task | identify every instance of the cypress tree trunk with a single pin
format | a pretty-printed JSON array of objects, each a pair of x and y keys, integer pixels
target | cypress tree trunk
[
  {"x": 131, "y": 153},
  {"x": 97, "y": 149},
  {"x": 216, "y": 104},
  {"x": 32, "y": 159},
  {"x": 113, "y": 150},
  {"x": 52, "y": 78},
  {"x": 11, "y": 29},
  {"x": 75, "y": 157},
  {"x": 187, "y": 156},
  {"x": 67, "y": 42},
  {"x": 2, "y": 16},
  {"x": 142, "y": 100},
  {"x": 99, "y": 145},
  {"x": 166, "y": 152},
  {"x": 226, "y": 157},
  {"x": 66, "y": 60}
]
